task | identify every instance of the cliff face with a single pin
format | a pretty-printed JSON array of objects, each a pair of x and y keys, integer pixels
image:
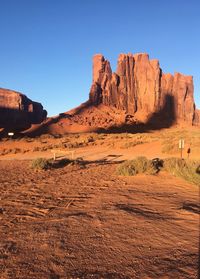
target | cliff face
[
  {"x": 137, "y": 98},
  {"x": 141, "y": 89},
  {"x": 17, "y": 112}
]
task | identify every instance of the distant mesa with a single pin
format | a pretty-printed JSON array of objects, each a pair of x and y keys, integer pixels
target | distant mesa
[
  {"x": 17, "y": 112},
  {"x": 137, "y": 97}
]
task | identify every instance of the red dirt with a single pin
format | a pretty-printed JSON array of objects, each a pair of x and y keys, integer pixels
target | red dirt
[{"x": 87, "y": 222}]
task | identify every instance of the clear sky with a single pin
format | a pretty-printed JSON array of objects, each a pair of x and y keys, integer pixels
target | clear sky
[{"x": 46, "y": 46}]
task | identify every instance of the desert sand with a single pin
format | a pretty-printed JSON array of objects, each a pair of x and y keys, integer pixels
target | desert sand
[{"x": 83, "y": 220}]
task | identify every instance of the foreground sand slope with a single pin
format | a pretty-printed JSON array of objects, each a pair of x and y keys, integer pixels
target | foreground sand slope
[{"x": 87, "y": 222}]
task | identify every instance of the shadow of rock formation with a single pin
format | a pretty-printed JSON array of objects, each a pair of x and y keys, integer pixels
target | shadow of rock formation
[{"x": 164, "y": 118}]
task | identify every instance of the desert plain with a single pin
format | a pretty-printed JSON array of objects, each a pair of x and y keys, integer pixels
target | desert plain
[{"x": 82, "y": 219}]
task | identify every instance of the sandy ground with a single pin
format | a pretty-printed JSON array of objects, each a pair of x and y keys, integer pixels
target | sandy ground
[
  {"x": 149, "y": 150},
  {"x": 94, "y": 146},
  {"x": 87, "y": 222}
]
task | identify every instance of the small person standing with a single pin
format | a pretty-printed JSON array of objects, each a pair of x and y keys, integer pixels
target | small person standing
[{"x": 188, "y": 152}]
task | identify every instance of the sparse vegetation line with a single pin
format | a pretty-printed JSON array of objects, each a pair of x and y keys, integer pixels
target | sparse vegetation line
[{"x": 186, "y": 169}]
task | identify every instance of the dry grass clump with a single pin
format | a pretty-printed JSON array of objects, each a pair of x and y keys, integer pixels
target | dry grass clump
[
  {"x": 186, "y": 169},
  {"x": 132, "y": 144},
  {"x": 136, "y": 166},
  {"x": 6, "y": 151},
  {"x": 40, "y": 164},
  {"x": 171, "y": 139},
  {"x": 47, "y": 164},
  {"x": 42, "y": 148}
]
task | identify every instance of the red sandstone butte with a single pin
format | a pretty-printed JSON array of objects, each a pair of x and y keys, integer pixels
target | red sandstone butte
[
  {"x": 17, "y": 112},
  {"x": 140, "y": 88},
  {"x": 138, "y": 97}
]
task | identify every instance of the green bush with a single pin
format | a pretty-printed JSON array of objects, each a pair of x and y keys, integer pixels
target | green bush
[
  {"x": 187, "y": 169},
  {"x": 40, "y": 164},
  {"x": 138, "y": 165}
]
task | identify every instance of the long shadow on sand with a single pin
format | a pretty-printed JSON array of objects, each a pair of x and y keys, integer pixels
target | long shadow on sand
[{"x": 83, "y": 163}]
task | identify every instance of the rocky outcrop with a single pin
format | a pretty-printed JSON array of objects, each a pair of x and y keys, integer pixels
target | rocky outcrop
[
  {"x": 197, "y": 117},
  {"x": 141, "y": 89},
  {"x": 17, "y": 112},
  {"x": 138, "y": 97}
]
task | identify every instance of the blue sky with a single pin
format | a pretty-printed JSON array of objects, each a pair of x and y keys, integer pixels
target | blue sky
[{"x": 46, "y": 46}]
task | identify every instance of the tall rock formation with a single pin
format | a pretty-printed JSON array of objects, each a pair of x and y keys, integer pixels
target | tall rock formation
[
  {"x": 137, "y": 97},
  {"x": 17, "y": 112},
  {"x": 141, "y": 89}
]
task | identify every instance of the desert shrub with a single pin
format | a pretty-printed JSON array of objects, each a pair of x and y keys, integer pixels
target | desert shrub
[
  {"x": 36, "y": 148},
  {"x": 11, "y": 151},
  {"x": 40, "y": 164},
  {"x": 16, "y": 150},
  {"x": 25, "y": 150},
  {"x": 2, "y": 152},
  {"x": 174, "y": 164},
  {"x": 186, "y": 169},
  {"x": 43, "y": 148},
  {"x": 138, "y": 165},
  {"x": 6, "y": 151},
  {"x": 90, "y": 139},
  {"x": 132, "y": 144},
  {"x": 127, "y": 168},
  {"x": 44, "y": 164},
  {"x": 75, "y": 144}
]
